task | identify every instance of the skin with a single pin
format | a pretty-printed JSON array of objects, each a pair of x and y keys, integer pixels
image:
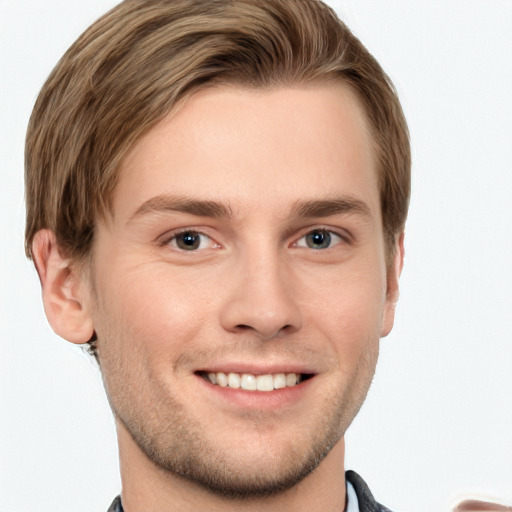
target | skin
[{"x": 255, "y": 173}]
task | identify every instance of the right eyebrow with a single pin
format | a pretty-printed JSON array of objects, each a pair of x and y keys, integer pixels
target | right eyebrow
[{"x": 182, "y": 204}]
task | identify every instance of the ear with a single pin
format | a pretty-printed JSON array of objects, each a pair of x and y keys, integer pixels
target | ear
[
  {"x": 64, "y": 290},
  {"x": 392, "y": 290}
]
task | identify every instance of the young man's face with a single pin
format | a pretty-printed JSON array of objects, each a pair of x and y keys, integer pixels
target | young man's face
[{"x": 245, "y": 242}]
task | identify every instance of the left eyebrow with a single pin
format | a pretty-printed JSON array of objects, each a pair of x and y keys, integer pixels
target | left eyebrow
[{"x": 331, "y": 206}]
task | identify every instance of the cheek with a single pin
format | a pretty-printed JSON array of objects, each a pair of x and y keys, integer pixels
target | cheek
[
  {"x": 349, "y": 312},
  {"x": 153, "y": 310}
]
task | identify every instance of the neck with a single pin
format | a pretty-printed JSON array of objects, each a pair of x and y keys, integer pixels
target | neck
[{"x": 148, "y": 487}]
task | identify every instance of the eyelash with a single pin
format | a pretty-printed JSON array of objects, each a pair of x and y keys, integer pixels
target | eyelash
[
  {"x": 171, "y": 240},
  {"x": 173, "y": 237},
  {"x": 329, "y": 234}
]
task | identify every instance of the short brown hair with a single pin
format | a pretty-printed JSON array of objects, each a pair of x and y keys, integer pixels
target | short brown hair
[{"x": 131, "y": 67}]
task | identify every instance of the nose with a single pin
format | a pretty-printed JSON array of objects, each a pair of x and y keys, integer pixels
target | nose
[{"x": 261, "y": 299}]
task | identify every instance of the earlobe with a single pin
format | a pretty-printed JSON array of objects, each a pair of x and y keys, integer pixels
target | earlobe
[
  {"x": 393, "y": 289},
  {"x": 64, "y": 291}
]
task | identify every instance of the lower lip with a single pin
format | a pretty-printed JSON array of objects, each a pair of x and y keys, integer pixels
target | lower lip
[{"x": 258, "y": 400}]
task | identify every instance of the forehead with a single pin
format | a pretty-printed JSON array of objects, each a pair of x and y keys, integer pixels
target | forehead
[{"x": 253, "y": 148}]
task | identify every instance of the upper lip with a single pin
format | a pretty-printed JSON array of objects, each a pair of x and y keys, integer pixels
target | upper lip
[{"x": 257, "y": 368}]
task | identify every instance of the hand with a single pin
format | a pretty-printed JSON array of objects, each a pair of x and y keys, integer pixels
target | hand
[{"x": 480, "y": 506}]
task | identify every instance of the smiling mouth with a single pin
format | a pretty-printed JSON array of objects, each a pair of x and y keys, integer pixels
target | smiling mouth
[{"x": 250, "y": 382}]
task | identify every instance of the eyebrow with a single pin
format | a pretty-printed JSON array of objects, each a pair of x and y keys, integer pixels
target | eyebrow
[
  {"x": 331, "y": 206},
  {"x": 204, "y": 208},
  {"x": 181, "y": 204}
]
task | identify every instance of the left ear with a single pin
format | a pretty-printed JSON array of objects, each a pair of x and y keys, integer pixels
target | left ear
[{"x": 392, "y": 291}]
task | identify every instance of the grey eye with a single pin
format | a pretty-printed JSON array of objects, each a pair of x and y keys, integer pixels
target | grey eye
[
  {"x": 319, "y": 239},
  {"x": 188, "y": 240}
]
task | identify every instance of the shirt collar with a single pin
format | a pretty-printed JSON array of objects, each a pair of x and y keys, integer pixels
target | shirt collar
[{"x": 352, "y": 501}]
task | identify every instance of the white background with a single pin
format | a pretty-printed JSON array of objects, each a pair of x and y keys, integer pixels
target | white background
[{"x": 437, "y": 424}]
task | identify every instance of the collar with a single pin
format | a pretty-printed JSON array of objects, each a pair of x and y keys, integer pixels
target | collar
[
  {"x": 359, "y": 497},
  {"x": 365, "y": 498},
  {"x": 352, "y": 501}
]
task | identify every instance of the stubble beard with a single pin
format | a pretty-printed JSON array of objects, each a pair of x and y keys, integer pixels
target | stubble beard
[{"x": 180, "y": 446}]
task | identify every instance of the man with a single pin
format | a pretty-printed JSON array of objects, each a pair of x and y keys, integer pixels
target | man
[{"x": 216, "y": 198}]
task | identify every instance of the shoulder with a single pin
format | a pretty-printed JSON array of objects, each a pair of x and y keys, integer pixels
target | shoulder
[
  {"x": 367, "y": 502},
  {"x": 116, "y": 505}
]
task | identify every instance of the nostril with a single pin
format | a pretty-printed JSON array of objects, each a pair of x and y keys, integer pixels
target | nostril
[
  {"x": 265, "y": 332},
  {"x": 260, "y": 315}
]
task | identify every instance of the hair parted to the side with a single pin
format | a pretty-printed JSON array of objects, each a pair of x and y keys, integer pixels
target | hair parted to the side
[{"x": 131, "y": 68}]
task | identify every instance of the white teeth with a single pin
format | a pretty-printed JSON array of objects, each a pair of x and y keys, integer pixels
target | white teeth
[
  {"x": 248, "y": 382},
  {"x": 222, "y": 379},
  {"x": 279, "y": 381},
  {"x": 291, "y": 379},
  {"x": 234, "y": 380},
  {"x": 251, "y": 382},
  {"x": 264, "y": 383}
]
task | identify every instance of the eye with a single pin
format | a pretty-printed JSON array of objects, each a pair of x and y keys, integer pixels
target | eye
[
  {"x": 319, "y": 239},
  {"x": 191, "y": 241}
]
